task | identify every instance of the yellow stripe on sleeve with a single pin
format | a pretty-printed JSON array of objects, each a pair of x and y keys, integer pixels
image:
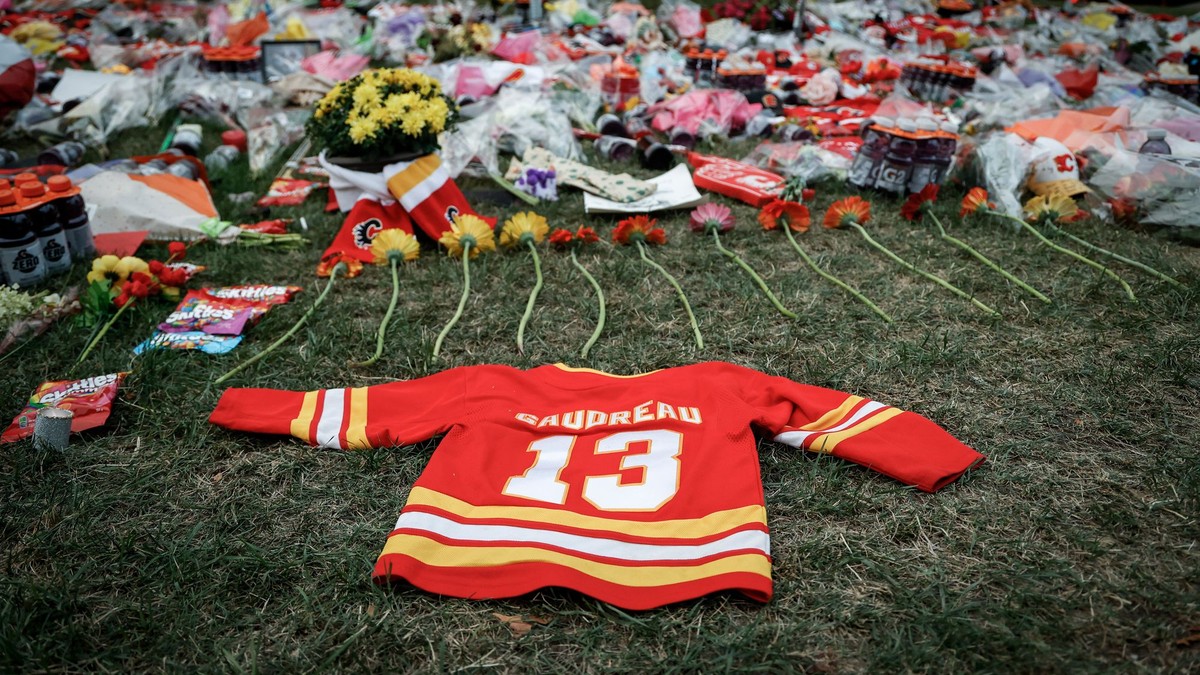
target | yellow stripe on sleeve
[
  {"x": 834, "y": 416},
  {"x": 356, "y": 432},
  {"x": 828, "y": 442},
  {"x": 303, "y": 421},
  {"x": 431, "y": 552},
  {"x": 413, "y": 174},
  {"x": 692, "y": 528}
]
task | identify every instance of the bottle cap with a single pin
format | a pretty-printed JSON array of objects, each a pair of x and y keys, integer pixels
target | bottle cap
[
  {"x": 1156, "y": 134},
  {"x": 32, "y": 190},
  {"x": 950, "y": 127},
  {"x": 881, "y": 121},
  {"x": 7, "y": 198},
  {"x": 4, "y": 184},
  {"x": 927, "y": 124},
  {"x": 906, "y": 124},
  {"x": 59, "y": 184},
  {"x": 24, "y": 178}
]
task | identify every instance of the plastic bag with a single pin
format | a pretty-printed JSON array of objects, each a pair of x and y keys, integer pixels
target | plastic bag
[
  {"x": 269, "y": 131},
  {"x": 1004, "y": 160},
  {"x": 800, "y": 160},
  {"x": 525, "y": 118},
  {"x": 1166, "y": 188}
]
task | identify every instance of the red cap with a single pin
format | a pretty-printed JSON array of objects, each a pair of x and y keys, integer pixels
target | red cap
[
  {"x": 7, "y": 198},
  {"x": 59, "y": 184},
  {"x": 4, "y": 184},
  {"x": 32, "y": 190},
  {"x": 24, "y": 178},
  {"x": 234, "y": 137}
]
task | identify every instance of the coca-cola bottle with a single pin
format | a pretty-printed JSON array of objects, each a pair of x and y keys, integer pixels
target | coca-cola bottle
[{"x": 896, "y": 167}]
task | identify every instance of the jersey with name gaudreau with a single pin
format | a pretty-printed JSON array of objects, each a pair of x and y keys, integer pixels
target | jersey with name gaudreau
[{"x": 637, "y": 490}]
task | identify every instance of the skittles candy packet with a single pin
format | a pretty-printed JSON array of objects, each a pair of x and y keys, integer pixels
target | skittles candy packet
[
  {"x": 199, "y": 341},
  {"x": 200, "y": 311},
  {"x": 90, "y": 399},
  {"x": 273, "y": 295}
]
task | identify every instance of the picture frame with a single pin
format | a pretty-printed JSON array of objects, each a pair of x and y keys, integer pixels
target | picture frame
[{"x": 283, "y": 57}]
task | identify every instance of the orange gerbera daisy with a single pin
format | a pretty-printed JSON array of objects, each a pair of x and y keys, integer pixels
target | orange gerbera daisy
[
  {"x": 794, "y": 215},
  {"x": 914, "y": 207},
  {"x": 845, "y": 211},
  {"x": 977, "y": 198},
  {"x": 561, "y": 236},
  {"x": 640, "y": 228},
  {"x": 354, "y": 266}
]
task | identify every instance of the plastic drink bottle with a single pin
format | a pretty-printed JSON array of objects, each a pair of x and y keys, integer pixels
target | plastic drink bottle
[
  {"x": 865, "y": 167},
  {"x": 64, "y": 154},
  {"x": 897, "y": 163},
  {"x": 73, "y": 214},
  {"x": 924, "y": 169},
  {"x": 56, "y": 255},
  {"x": 616, "y": 148},
  {"x": 1156, "y": 143},
  {"x": 221, "y": 158},
  {"x": 20, "y": 249}
]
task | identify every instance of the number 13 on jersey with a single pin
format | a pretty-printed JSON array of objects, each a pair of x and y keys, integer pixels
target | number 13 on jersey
[{"x": 658, "y": 459}]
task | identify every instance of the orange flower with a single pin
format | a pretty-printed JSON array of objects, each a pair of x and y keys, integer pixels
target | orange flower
[
  {"x": 587, "y": 235},
  {"x": 845, "y": 211},
  {"x": 354, "y": 266},
  {"x": 795, "y": 215},
  {"x": 914, "y": 206},
  {"x": 976, "y": 199},
  {"x": 639, "y": 228},
  {"x": 561, "y": 237}
]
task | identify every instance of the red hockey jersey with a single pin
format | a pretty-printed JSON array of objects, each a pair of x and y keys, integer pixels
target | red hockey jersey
[{"x": 638, "y": 490}]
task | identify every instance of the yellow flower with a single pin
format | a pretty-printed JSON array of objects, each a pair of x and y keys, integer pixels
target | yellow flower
[
  {"x": 1050, "y": 207},
  {"x": 126, "y": 266},
  {"x": 362, "y": 129},
  {"x": 102, "y": 267},
  {"x": 438, "y": 112},
  {"x": 468, "y": 230},
  {"x": 413, "y": 123},
  {"x": 366, "y": 94},
  {"x": 394, "y": 243},
  {"x": 522, "y": 228}
]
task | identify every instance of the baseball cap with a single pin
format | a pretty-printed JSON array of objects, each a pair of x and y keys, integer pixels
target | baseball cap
[{"x": 1055, "y": 170}]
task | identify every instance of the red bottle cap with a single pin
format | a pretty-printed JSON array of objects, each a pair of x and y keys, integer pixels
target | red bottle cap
[
  {"x": 32, "y": 190},
  {"x": 4, "y": 184},
  {"x": 24, "y": 178},
  {"x": 234, "y": 137},
  {"x": 7, "y": 198},
  {"x": 59, "y": 184}
]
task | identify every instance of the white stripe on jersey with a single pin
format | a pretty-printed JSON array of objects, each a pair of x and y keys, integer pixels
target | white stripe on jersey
[
  {"x": 609, "y": 548},
  {"x": 797, "y": 438},
  {"x": 421, "y": 191},
  {"x": 331, "y": 419}
]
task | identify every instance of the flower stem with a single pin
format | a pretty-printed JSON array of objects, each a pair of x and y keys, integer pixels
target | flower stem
[
  {"x": 537, "y": 287},
  {"x": 1132, "y": 263},
  {"x": 599, "y": 296},
  {"x": 516, "y": 192},
  {"x": 387, "y": 317},
  {"x": 913, "y": 268},
  {"x": 678, "y": 289},
  {"x": 103, "y": 331},
  {"x": 1066, "y": 251},
  {"x": 987, "y": 261},
  {"x": 753, "y": 275},
  {"x": 834, "y": 280},
  {"x": 462, "y": 302},
  {"x": 340, "y": 267}
]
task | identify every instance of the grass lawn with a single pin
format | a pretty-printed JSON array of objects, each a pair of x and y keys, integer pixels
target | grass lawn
[{"x": 161, "y": 542}]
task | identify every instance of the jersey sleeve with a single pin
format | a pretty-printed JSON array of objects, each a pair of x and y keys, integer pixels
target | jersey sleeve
[
  {"x": 396, "y": 413},
  {"x": 896, "y": 443}
]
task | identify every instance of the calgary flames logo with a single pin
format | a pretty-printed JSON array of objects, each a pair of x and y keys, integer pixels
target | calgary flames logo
[
  {"x": 451, "y": 214},
  {"x": 1065, "y": 163},
  {"x": 364, "y": 232}
]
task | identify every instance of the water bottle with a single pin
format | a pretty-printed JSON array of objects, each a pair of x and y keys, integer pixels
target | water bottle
[
  {"x": 897, "y": 163},
  {"x": 1156, "y": 143},
  {"x": 73, "y": 213},
  {"x": 65, "y": 154},
  {"x": 220, "y": 159},
  {"x": 20, "y": 249},
  {"x": 56, "y": 255}
]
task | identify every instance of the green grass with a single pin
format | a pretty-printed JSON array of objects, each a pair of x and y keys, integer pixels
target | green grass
[{"x": 160, "y": 542}]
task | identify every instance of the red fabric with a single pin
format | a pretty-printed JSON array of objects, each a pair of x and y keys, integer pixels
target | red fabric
[
  {"x": 1080, "y": 83},
  {"x": 637, "y": 490},
  {"x": 366, "y": 220}
]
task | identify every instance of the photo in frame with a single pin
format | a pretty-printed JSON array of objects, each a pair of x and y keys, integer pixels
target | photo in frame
[{"x": 283, "y": 57}]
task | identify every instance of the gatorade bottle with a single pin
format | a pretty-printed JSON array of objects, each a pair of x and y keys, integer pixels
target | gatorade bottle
[
  {"x": 896, "y": 167},
  {"x": 876, "y": 139},
  {"x": 1156, "y": 143},
  {"x": 947, "y": 148},
  {"x": 46, "y": 225},
  {"x": 73, "y": 214},
  {"x": 929, "y": 142},
  {"x": 20, "y": 249}
]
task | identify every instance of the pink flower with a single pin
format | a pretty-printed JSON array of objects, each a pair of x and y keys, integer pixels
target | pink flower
[{"x": 712, "y": 216}]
